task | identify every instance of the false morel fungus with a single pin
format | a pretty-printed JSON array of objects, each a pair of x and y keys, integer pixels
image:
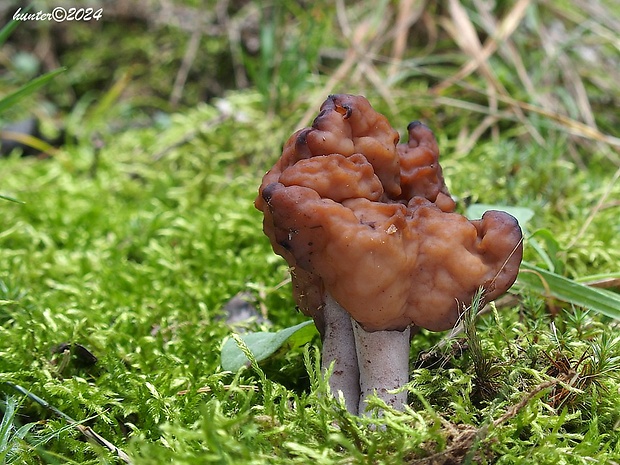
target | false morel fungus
[{"x": 368, "y": 228}]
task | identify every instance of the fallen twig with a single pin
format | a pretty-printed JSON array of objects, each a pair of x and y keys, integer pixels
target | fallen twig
[
  {"x": 516, "y": 408},
  {"x": 184, "y": 69},
  {"x": 87, "y": 431},
  {"x": 464, "y": 438}
]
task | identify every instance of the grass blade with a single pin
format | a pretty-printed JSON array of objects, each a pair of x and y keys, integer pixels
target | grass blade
[
  {"x": 9, "y": 435},
  {"x": 553, "y": 285},
  {"x": 10, "y": 199},
  {"x": 28, "y": 89},
  {"x": 8, "y": 29},
  {"x": 5, "y": 425}
]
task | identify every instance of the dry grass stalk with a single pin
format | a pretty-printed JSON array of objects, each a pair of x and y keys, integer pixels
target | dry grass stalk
[
  {"x": 570, "y": 125},
  {"x": 409, "y": 12},
  {"x": 364, "y": 41},
  {"x": 464, "y": 34},
  {"x": 597, "y": 208},
  {"x": 464, "y": 439},
  {"x": 87, "y": 431},
  {"x": 469, "y": 39},
  {"x": 501, "y": 36}
]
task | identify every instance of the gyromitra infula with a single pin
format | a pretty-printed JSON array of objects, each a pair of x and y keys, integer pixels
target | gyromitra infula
[{"x": 368, "y": 229}]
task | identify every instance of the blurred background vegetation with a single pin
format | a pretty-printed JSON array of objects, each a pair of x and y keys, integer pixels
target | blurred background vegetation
[
  {"x": 558, "y": 56},
  {"x": 536, "y": 80}
]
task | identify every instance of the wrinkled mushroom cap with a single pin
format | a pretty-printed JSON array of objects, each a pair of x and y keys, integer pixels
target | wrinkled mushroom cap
[{"x": 371, "y": 221}]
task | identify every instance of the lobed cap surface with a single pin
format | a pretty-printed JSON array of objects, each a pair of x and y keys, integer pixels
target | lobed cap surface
[{"x": 370, "y": 221}]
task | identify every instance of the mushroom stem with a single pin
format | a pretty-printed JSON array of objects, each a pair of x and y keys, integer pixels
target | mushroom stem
[
  {"x": 339, "y": 347},
  {"x": 383, "y": 359}
]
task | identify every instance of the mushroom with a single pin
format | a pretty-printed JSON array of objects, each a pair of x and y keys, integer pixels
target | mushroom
[{"x": 374, "y": 246}]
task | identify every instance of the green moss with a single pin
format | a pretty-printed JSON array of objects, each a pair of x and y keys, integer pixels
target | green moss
[{"x": 132, "y": 248}]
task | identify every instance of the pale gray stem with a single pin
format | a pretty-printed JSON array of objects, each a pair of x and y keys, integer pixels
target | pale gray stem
[
  {"x": 383, "y": 359},
  {"x": 339, "y": 347}
]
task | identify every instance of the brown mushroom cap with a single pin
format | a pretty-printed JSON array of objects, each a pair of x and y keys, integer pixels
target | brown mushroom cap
[
  {"x": 372, "y": 223},
  {"x": 420, "y": 172}
]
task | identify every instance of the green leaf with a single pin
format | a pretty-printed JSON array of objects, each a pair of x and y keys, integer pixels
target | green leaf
[
  {"x": 28, "y": 89},
  {"x": 264, "y": 344},
  {"x": 553, "y": 285},
  {"x": 522, "y": 214},
  {"x": 550, "y": 258},
  {"x": 7, "y": 30},
  {"x": 599, "y": 277}
]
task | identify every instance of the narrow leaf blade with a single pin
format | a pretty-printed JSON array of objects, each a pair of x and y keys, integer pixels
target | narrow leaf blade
[
  {"x": 28, "y": 89},
  {"x": 567, "y": 290},
  {"x": 8, "y": 29},
  {"x": 10, "y": 199}
]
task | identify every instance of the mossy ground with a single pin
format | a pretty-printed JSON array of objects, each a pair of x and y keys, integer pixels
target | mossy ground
[{"x": 130, "y": 247}]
